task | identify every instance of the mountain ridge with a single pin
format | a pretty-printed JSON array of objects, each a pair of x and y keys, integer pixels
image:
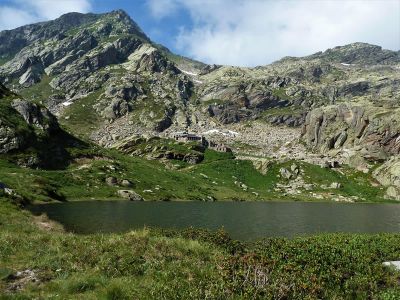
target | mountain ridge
[{"x": 108, "y": 83}]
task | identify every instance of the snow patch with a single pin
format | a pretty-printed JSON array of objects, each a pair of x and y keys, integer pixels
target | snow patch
[
  {"x": 189, "y": 73},
  {"x": 344, "y": 64},
  {"x": 224, "y": 133},
  {"x": 67, "y": 103}
]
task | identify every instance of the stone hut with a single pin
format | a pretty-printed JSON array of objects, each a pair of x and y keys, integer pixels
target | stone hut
[{"x": 187, "y": 137}]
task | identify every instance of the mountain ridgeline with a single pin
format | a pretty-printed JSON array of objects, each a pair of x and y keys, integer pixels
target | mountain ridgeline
[{"x": 100, "y": 78}]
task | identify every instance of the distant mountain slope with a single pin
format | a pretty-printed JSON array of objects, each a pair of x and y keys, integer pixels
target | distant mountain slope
[{"x": 105, "y": 80}]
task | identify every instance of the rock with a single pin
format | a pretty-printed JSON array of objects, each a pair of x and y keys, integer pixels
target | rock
[
  {"x": 335, "y": 185},
  {"x": 388, "y": 174},
  {"x": 126, "y": 183},
  {"x": 393, "y": 264},
  {"x": 295, "y": 169},
  {"x": 36, "y": 115},
  {"x": 368, "y": 127},
  {"x": 285, "y": 173},
  {"x": 30, "y": 77},
  {"x": 340, "y": 140},
  {"x": 10, "y": 140},
  {"x": 262, "y": 165},
  {"x": 211, "y": 199},
  {"x": 111, "y": 181},
  {"x": 130, "y": 194},
  {"x": 193, "y": 158},
  {"x": 20, "y": 279},
  {"x": 116, "y": 109},
  {"x": 393, "y": 192},
  {"x": 358, "y": 162}
]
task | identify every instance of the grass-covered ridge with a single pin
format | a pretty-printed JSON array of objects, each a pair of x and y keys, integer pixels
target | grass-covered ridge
[
  {"x": 189, "y": 264},
  {"x": 219, "y": 176}
]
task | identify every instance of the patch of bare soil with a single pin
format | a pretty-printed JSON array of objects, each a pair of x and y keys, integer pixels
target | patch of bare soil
[{"x": 44, "y": 223}]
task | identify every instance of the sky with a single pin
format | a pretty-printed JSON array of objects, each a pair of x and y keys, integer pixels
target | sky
[{"x": 236, "y": 32}]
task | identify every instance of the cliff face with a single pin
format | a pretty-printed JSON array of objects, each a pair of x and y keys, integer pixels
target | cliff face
[{"x": 374, "y": 129}]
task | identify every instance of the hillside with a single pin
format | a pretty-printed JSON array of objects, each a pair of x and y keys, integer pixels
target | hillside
[{"x": 109, "y": 86}]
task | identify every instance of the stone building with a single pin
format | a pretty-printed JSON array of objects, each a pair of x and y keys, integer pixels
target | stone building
[{"x": 187, "y": 137}]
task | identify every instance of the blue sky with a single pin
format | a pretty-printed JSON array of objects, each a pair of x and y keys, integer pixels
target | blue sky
[{"x": 236, "y": 32}]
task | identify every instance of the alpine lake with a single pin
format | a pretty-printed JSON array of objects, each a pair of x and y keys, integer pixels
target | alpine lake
[{"x": 245, "y": 221}]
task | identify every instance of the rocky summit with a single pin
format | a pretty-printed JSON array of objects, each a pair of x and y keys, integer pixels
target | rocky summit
[{"x": 98, "y": 80}]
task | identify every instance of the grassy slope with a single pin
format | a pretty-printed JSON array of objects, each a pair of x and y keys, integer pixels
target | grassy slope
[
  {"x": 39, "y": 91},
  {"x": 85, "y": 178},
  {"x": 81, "y": 116},
  {"x": 191, "y": 264}
]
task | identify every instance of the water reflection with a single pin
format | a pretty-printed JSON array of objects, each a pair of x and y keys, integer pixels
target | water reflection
[{"x": 243, "y": 220}]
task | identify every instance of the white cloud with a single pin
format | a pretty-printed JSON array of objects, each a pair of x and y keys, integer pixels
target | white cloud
[
  {"x": 11, "y": 17},
  {"x": 162, "y": 8},
  {"x": 21, "y": 12},
  {"x": 256, "y": 32}
]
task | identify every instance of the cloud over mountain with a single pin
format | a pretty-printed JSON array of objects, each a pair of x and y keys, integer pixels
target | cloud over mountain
[
  {"x": 253, "y": 32},
  {"x": 16, "y": 13}
]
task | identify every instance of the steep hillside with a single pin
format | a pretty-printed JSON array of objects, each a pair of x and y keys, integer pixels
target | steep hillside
[
  {"x": 105, "y": 68},
  {"x": 108, "y": 83}
]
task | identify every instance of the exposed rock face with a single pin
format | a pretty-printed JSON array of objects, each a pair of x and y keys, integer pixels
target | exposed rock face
[
  {"x": 389, "y": 175},
  {"x": 9, "y": 139},
  {"x": 359, "y": 53},
  {"x": 367, "y": 127},
  {"x": 34, "y": 115},
  {"x": 21, "y": 122}
]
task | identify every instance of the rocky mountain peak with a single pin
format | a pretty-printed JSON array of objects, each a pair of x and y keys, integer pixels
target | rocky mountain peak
[
  {"x": 359, "y": 53},
  {"x": 120, "y": 20}
]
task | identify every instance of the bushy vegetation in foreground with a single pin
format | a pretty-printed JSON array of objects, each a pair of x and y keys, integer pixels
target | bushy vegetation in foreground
[{"x": 189, "y": 264}]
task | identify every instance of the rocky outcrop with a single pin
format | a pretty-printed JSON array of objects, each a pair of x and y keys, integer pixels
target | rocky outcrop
[
  {"x": 371, "y": 129},
  {"x": 130, "y": 195},
  {"x": 78, "y": 71},
  {"x": 35, "y": 115},
  {"x": 155, "y": 148},
  {"x": 389, "y": 176},
  {"x": 359, "y": 53},
  {"x": 9, "y": 139},
  {"x": 22, "y": 122}
]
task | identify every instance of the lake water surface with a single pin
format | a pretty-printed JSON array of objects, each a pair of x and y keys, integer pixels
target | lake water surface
[{"x": 242, "y": 220}]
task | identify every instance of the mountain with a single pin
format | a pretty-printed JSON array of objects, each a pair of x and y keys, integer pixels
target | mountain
[{"x": 106, "y": 82}]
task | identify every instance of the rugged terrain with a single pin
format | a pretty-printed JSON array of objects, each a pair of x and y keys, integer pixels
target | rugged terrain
[{"x": 87, "y": 89}]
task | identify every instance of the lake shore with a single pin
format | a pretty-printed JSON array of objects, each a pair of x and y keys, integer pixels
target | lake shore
[{"x": 189, "y": 263}]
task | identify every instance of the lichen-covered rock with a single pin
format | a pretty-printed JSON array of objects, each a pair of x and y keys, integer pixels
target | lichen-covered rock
[
  {"x": 35, "y": 115},
  {"x": 22, "y": 122},
  {"x": 393, "y": 192},
  {"x": 374, "y": 130},
  {"x": 389, "y": 173},
  {"x": 9, "y": 139},
  {"x": 130, "y": 195}
]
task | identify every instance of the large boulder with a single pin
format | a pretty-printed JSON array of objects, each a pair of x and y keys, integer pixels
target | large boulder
[{"x": 130, "y": 195}]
